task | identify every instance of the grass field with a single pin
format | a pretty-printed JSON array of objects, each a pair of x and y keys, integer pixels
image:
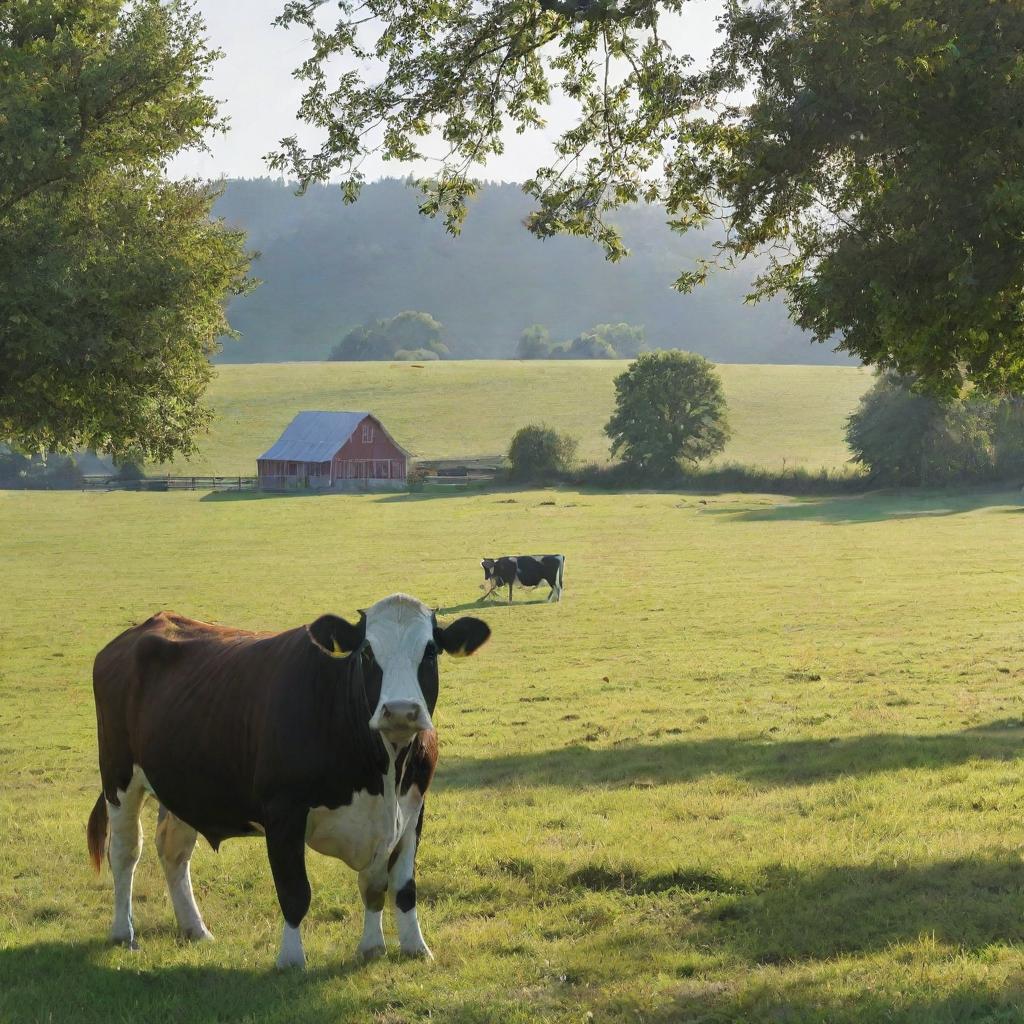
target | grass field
[
  {"x": 780, "y": 414},
  {"x": 763, "y": 763}
]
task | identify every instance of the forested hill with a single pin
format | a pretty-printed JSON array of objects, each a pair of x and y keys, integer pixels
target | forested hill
[{"x": 327, "y": 267}]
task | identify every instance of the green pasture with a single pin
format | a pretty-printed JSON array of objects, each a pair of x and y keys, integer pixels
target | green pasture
[
  {"x": 763, "y": 762},
  {"x": 790, "y": 415}
]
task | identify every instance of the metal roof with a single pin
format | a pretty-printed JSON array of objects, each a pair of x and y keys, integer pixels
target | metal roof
[{"x": 314, "y": 436}]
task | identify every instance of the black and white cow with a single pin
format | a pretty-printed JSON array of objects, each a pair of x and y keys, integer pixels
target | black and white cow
[
  {"x": 320, "y": 736},
  {"x": 523, "y": 571}
]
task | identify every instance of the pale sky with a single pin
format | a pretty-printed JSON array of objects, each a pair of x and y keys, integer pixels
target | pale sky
[{"x": 254, "y": 82}]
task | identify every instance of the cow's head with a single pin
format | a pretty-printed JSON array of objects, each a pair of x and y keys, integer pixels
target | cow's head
[
  {"x": 490, "y": 580},
  {"x": 398, "y": 640}
]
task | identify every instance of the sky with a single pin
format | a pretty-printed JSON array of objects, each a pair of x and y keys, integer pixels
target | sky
[{"x": 254, "y": 83}]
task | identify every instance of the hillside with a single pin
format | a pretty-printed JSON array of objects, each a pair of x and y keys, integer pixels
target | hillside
[
  {"x": 791, "y": 414},
  {"x": 327, "y": 267}
]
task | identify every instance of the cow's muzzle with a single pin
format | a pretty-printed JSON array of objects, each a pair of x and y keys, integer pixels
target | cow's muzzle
[{"x": 401, "y": 719}]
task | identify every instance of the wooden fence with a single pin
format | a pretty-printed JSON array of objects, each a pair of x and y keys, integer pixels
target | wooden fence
[
  {"x": 173, "y": 483},
  {"x": 440, "y": 472}
]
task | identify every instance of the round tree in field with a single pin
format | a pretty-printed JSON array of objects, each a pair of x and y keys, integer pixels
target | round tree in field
[
  {"x": 669, "y": 407},
  {"x": 538, "y": 452}
]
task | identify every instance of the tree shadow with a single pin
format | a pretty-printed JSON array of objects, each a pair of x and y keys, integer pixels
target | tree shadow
[
  {"x": 840, "y": 910},
  {"x": 871, "y": 508},
  {"x": 804, "y": 1002},
  {"x": 83, "y": 983},
  {"x": 432, "y": 494},
  {"x": 256, "y": 495},
  {"x": 787, "y": 763}
]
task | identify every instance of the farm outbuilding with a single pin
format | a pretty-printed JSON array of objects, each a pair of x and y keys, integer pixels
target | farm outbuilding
[{"x": 341, "y": 450}]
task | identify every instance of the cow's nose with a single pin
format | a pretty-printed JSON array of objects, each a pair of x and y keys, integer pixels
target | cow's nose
[{"x": 399, "y": 712}]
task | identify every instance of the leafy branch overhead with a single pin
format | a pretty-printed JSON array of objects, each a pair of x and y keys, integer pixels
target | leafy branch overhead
[
  {"x": 114, "y": 278},
  {"x": 872, "y": 148}
]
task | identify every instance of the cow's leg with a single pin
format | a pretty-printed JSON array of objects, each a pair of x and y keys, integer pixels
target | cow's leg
[
  {"x": 510, "y": 586},
  {"x": 373, "y": 886},
  {"x": 286, "y": 848},
  {"x": 402, "y": 885},
  {"x": 125, "y": 850},
  {"x": 175, "y": 842}
]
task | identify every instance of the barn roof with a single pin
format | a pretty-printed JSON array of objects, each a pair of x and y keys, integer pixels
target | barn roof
[{"x": 314, "y": 436}]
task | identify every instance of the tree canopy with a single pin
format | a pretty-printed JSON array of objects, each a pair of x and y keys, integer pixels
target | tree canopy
[
  {"x": 668, "y": 406},
  {"x": 114, "y": 278},
  {"x": 878, "y": 160},
  {"x": 904, "y": 437},
  {"x": 412, "y": 334}
]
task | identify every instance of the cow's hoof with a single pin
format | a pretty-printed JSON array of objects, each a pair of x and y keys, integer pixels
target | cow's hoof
[
  {"x": 420, "y": 952},
  {"x": 368, "y": 953},
  {"x": 200, "y": 934},
  {"x": 291, "y": 961},
  {"x": 125, "y": 942}
]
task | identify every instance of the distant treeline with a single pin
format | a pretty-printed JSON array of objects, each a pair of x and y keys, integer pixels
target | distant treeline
[{"x": 329, "y": 269}]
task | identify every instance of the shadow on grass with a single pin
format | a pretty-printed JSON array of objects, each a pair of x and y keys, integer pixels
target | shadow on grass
[
  {"x": 839, "y": 910},
  {"x": 229, "y": 496},
  {"x": 790, "y": 917},
  {"x": 804, "y": 1002},
  {"x": 786, "y": 763},
  {"x": 80, "y": 982},
  {"x": 479, "y": 605},
  {"x": 84, "y": 983},
  {"x": 433, "y": 493},
  {"x": 872, "y": 508}
]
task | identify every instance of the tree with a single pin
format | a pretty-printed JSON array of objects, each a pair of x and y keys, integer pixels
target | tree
[
  {"x": 113, "y": 279},
  {"x": 407, "y": 333},
  {"x": 416, "y": 329},
  {"x": 367, "y": 342},
  {"x": 906, "y": 437},
  {"x": 626, "y": 340},
  {"x": 534, "y": 343},
  {"x": 669, "y": 406},
  {"x": 539, "y": 453},
  {"x": 878, "y": 159},
  {"x": 416, "y": 355},
  {"x": 587, "y": 345}
]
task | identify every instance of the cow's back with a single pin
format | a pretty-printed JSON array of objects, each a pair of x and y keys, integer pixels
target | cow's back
[{"x": 185, "y": 701}]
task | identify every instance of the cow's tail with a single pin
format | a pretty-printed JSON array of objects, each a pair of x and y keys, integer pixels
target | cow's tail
[
  {"x": 96, "y": 832},
  {"x": 561, "y": 569}
]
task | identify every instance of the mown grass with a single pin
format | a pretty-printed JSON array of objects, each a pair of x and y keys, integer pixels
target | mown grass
[
  {"x": 763, "y": 762},
  {"x": 781, "y": 415}
]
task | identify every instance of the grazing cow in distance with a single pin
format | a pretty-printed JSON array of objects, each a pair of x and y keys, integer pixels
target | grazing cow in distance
[
  {"x": 523, "y": 571},
  {"x": 320, "y": 736}
]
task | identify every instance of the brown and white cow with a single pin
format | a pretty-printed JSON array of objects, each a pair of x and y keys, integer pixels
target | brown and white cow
[{"x": 320, "y": 736}]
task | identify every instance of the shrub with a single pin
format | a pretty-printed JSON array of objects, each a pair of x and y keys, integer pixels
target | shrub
[
  {"x": 539, "y": 453},
  {"x": 905, "y": 437},
  {"x": 669, "y": 406},
  {"x": 13, "y": 465},
  {"x": 415, "y": 479},
  {"x": 1008, "y": 437}
]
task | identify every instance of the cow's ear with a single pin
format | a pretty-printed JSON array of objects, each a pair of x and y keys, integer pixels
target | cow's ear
[
  {"x": 335, "y": 636},
  {"x": 463, "y": 637}
]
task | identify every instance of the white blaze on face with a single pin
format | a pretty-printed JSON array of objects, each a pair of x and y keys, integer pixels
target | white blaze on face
[{"x": 398, "y": 630}]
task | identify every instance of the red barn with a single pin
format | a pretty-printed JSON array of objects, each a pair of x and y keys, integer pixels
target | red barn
[{"x": 343, "y": 450}]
